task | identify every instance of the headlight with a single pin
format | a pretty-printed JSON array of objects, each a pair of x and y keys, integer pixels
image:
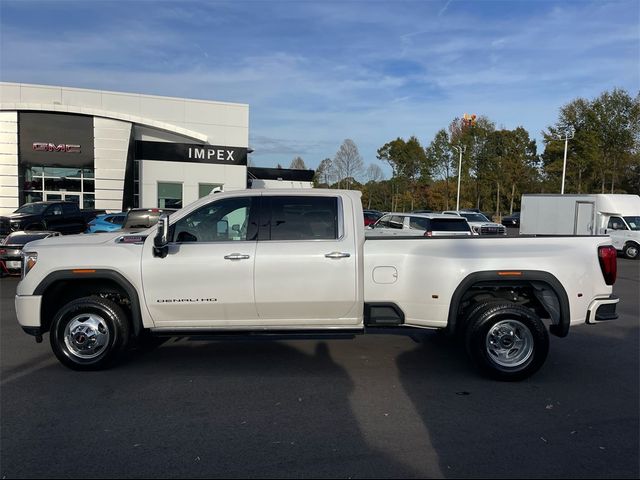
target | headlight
[{"x": 29, "y": 260}]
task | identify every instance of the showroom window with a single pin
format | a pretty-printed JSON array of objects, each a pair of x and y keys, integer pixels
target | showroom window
[
  {"x": 169, "y": 195},
  {"x": 59, "y": 183},
  {"x": 205, "y": 189}
]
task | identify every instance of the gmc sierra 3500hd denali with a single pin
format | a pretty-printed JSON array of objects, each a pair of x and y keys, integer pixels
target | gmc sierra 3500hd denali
[{"x": 292, "y": 263}]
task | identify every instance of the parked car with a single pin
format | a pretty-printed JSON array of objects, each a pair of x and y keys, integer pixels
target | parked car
[
  {"x": 480, "y": 224},
  {"x": 57, "y": 216},
  {"x": 109, "y": 222},
  {"x": 419, "y": 224},
  {"x": 512, "y": 220},
  {"x": 371, "y": 217},
  {"x": 142, "y": 218},
  {"x": 11, "y": 249}
]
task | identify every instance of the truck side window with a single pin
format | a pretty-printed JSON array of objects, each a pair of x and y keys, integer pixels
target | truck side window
[
  {"x": 69, "y": 208},
  {"x": 383, "y": 222},
  {"x": 616, "y": 223},
  {"x": 220, "y": 221},
  {"x": 54, "y": 210},
  {"x": 396, "y": 222},
  {"x": 304, "y": 218}
]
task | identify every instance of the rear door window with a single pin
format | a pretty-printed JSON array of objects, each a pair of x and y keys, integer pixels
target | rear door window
[
  {"x": 418, "y": 223},
  {"x": 299, "y": 218}
]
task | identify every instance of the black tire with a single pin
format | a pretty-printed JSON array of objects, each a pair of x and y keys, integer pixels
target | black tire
[
  {"x": 632, "y": 251},
  {"x": 94, "y": 320},
  {"x": 507, "y": 341},
  {"x": 471, "y": 312}
]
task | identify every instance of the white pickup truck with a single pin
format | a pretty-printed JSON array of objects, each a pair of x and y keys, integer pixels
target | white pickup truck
[{"x": 295, "y": 263}]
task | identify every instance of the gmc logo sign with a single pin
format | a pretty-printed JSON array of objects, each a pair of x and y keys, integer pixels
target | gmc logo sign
[{"x": 52, "y": 147}]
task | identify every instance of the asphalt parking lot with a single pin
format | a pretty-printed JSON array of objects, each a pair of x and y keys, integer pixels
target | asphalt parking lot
[{"x": 376, "y": 406}]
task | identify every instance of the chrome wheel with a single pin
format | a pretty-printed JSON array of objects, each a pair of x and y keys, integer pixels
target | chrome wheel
[
  {"x": 87, "y": 335},
  {"x": 509, "y": 343},
  {"x": 631, "y": 251}
]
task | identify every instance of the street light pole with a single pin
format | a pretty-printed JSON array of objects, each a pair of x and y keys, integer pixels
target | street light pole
[
  {"x": 461, "y": 150},
  {"x": 568, "y": 134}
]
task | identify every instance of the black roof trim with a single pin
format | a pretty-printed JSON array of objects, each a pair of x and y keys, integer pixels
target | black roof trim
[{"x": 281, "y": 174}]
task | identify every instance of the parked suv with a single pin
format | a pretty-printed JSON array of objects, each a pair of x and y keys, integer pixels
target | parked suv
[
  {"x": 416, "y": 224},
  {"x": 63, "y": 217},
  {"x": 480, "y": 224},
  {"x": 11, "y": 249}
]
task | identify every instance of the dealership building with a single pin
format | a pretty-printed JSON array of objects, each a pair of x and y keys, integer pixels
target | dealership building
[{"x": 115, "y": 151}]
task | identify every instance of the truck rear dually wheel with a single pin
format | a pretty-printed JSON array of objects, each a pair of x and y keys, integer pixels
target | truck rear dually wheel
[
  {"x": 89, "y": 333},
  {"x": 507, "y": 341}
]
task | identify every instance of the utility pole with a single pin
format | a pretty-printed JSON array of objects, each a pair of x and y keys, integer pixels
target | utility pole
[
  {"x": 460, "y": 149},
  {"x": 568, "y": 134}
]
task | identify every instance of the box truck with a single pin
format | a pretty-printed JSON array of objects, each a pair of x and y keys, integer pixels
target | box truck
[{"x": 616, "y": 215}]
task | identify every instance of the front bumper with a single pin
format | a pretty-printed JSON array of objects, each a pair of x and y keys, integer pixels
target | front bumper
[
  {"x": 602, "y": 309},
  {"x": 28, "y": 311}
]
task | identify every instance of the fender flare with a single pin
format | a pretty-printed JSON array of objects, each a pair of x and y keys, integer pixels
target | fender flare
[
  {"x": 531, "y": 277},
  {"x": 98, "y": 274}
]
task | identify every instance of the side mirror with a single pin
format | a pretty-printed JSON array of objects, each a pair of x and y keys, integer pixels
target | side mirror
[{"x": 161, "y": 240}]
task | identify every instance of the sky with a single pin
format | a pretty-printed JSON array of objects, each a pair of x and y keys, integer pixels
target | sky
[{"x": 315, "y": 73}]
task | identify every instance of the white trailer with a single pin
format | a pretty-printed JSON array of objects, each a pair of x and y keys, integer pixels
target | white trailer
[{"x": 616, "y": 215}]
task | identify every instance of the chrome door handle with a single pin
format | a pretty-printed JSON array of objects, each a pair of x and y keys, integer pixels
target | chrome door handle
[
  {"x": 337, "y": 255},
  {"x": 236, "y": 256}
]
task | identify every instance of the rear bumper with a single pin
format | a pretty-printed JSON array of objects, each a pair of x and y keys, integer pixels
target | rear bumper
[
  {"x": 28, "y": 311},
  {"x": 602, "y": 310}
]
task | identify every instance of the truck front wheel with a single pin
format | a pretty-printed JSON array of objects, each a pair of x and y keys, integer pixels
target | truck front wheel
[
  {"x": 507, "y": 341},
  {"x": 631, "y": 251},
  {"x": 89, "y": 333}
]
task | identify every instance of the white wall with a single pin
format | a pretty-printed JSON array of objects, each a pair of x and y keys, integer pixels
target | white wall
[
  {"x": 223, "y": 123},
  {"x": 8, "y": 162},
  {"x": 189, "y": 174},
  {"x": 111, "y": 145}
]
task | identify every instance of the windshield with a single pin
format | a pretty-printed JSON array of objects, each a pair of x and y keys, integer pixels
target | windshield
[
  {"x": 633, "y": 222},
  {"x": 475, "y": 217},
  {"x": 32, "y": 208}
]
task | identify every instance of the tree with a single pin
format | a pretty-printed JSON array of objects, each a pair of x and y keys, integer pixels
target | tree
[
  {"x": 324, "y": 176},
  {"x": 409, "y": 163},
  {"x": 298, "y": 164},
  {"x": 347, "y": 163},
  {"x": 373, "y": 175},
  {"x": 442, "y": 161},
  {"x": 476, "y": 166},
  {"x": 605, "y": 142}
]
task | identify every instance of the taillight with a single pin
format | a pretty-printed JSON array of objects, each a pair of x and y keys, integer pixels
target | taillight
[
  {"x": 608, "y": 263},
  {"x": 428, "y": 234}
]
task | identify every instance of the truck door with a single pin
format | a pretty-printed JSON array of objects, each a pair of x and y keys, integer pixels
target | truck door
[
  {"x": 206, "y": 280},
  {"x": 306, "y": 263},
  {"x": 585, "y": 218},
  {"x": 617, "y": 230}
]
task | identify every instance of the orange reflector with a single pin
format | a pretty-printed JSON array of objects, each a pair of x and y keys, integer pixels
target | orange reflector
[
  {"x": 83, "y": 271},
  {"x": 509, "y": 274}
]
